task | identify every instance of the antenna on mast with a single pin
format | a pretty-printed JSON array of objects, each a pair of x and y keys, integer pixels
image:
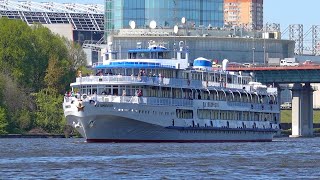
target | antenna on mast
[
  {"x": 132, "y": 24},
  {"x": 153, "y": 24},
  {"x": 175, "y": 29},
  {"x": 183, "y": 20}
]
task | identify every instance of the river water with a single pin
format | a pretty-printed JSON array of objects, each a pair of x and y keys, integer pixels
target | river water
[{"x": 74, "y": 159}]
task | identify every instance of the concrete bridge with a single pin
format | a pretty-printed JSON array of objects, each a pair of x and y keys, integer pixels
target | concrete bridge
[{"x": 302, "y": 91}]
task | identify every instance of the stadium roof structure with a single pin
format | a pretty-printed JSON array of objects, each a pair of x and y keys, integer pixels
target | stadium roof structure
[{"x": 83, "y": 17}]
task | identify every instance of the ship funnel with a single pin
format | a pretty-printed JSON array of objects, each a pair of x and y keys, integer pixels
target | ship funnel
[{"x": 225, "y": 64}]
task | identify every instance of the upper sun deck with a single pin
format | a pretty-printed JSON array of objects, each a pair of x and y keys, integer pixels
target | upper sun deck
[{"x": 155, "y": 56}]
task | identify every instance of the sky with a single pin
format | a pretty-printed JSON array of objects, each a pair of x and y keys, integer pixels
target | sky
[
  {"x": 285, "y": 12},
  {"x": 288, "y": 12}
]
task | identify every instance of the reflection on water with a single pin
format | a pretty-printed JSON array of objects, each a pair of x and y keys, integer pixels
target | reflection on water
[{"x": 74, "y": 159}]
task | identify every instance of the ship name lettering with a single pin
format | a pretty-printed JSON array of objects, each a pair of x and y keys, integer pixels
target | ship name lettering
[
  {"x": 104, "y": 105},
  {"x": 210, "y": 104}
]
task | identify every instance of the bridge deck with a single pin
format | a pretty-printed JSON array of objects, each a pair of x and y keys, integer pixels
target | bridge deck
[{"x": 288, "y": 74}]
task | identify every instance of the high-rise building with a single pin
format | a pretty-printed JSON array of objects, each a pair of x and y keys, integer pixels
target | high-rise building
[
  {"x": 247, "y": 13},
  {"x": 166, "y": 13}
]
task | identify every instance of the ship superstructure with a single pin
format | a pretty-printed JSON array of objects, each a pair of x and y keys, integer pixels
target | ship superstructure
[{"x": 153, "y": 96}]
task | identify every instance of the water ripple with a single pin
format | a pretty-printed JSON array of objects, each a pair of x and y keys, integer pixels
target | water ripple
[{"x": 284, "y": 158}]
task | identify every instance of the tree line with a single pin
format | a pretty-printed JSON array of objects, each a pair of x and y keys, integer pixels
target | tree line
[{"x": 36, "y": 67}]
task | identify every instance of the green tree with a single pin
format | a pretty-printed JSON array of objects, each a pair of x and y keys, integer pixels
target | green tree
[
  {"x": 49, "y": 115},
  {"x": 54, "y": 74},
  {"x": 36, "y": 68},
  {"x": 3, "y": 121},
  {"x": 76, "y": 55},
  {"x": 15, "y": 47}
]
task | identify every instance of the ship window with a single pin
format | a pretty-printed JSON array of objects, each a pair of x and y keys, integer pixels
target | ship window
[
  {"x": 160, "y": 55},
  {"x": 143, "y": 55},
  {"x": 132, "y": 55},
  {"x": 183, "y": 55}
]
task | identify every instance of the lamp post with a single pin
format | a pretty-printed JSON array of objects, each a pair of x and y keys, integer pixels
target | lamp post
[
  {"x": 253, "y": 49},
  {"x": 253, "y": 43},
  {"x": 264, "y": 43},
  {"x": 264, "y": 51}
]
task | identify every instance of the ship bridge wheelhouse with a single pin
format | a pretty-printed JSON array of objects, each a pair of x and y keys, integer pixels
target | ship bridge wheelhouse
[{"x": 151, "y": 53}]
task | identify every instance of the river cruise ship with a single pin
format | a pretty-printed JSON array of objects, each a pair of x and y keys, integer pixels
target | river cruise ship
[{"x": 157, "y": 95}]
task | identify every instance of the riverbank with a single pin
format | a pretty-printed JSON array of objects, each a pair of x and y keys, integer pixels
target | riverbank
[
  {"x": 284, "y": 133},
  {"x": 32, "y": 136},
  {"x": 286, "y": 116}
]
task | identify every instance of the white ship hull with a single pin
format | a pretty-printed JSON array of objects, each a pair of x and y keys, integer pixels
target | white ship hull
[{"x": 101, "y": 125}]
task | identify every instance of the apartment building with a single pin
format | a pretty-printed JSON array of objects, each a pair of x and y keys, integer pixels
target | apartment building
[{"x": 246, "y": 13}]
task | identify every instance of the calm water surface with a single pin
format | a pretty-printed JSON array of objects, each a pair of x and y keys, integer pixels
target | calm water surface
[{"x": 284, "y": 158}]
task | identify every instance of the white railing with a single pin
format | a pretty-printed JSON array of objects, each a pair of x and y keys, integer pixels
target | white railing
[
  {"x": 253, "y": 106},
  {"x": 164, "y": 101},
  {"x": 193, "y": 84},
  {"x": 140, "y": 100}
]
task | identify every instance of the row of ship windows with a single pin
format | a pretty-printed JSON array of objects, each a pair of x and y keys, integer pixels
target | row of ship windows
[
  {"x": 192, "y": 75},
  {"x": 214, "y": 114},
  {"x": 216, "y": 77},
  {"x": 225, "y": 115},
  {"x": 209, "y": 95}
]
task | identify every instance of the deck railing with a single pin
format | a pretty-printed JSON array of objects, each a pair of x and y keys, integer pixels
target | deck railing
[
  {"x": 166, "y": 102},
  {"x": 140, "y": 100},
  {"x": 174, "y": 82}
]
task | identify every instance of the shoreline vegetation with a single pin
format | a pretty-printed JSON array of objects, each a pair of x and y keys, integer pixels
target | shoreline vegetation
[{"x": 36, "y": 67}]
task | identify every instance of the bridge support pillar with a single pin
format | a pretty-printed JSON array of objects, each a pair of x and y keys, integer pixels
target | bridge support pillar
[{"x": 302, "y": 110}]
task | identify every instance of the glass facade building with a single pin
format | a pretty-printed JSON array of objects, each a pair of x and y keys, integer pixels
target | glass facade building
[{"x": 167, "y": 13}]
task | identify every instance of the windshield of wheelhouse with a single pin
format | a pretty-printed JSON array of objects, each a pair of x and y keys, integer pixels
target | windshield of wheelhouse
[{"x": 148, "y": 55}]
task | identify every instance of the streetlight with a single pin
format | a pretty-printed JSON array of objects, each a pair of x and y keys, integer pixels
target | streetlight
[
  {"x": 264, "y": 51},
  {"x": 253, "y": 49},
  {"x": 264, "y": 43},
  {"x": 253, "y": 45}
]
